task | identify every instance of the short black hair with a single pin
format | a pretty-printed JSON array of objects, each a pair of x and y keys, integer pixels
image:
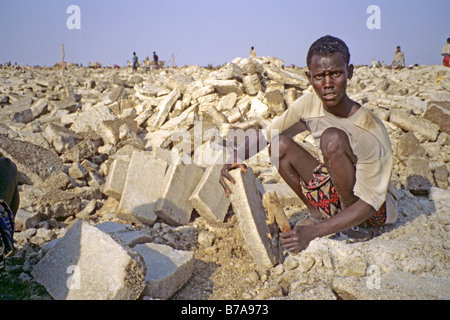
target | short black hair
[{"x": 327, "y": 46}]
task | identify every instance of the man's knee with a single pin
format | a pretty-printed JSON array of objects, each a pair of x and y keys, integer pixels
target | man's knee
[{"x": 334, "y": 143}]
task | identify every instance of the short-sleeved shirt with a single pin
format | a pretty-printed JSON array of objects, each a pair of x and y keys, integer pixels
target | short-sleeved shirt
[
  {"x": 368, "y": 139},
  {"x": 399, "y": 57},
  {"x": 446, "y": 49}
]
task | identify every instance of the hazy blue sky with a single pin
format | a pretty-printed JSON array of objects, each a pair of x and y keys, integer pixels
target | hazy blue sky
[{"x": 202, "y": 32}]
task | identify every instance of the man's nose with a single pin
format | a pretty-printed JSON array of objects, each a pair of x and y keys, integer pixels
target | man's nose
[{"x": 328, "y": 81}]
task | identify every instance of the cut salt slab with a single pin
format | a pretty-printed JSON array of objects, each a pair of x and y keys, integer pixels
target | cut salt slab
[
  {"x": 89, "y": 264},
  {"x": 125, "y": 233},
  {"x": 173, "y": 206},
  {"x": 246, "y": 201},
  {"x": 142, "y": 188},
  {"x": 116, "y": 178},
  {"x": 168, "y": 269},
  {"x": 165, "y": 107},
  {"x": 208, "y": 197}
]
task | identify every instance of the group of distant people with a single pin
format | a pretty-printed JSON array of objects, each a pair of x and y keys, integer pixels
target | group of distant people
[
  {"x": 397, "y": 63},
  {"x": 9, "y": 65},
  {"x": 399, "y": 58},
  {"x": 135, "y": 63}
]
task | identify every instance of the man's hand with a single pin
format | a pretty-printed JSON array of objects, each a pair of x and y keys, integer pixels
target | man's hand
[
  {"x": 224, "y": 173},
  {"x": 297, "y": 239}
]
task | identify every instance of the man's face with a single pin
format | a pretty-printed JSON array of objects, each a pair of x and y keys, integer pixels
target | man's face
[{"x": 328, "y": 76}]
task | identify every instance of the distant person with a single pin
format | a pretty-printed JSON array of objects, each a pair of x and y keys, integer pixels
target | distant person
[
  {"x": 446, "y": 53},
  {"x": 399, "y": 59},
  {"x": 9, "y": 204},
  {"x": 252, "y": 52},
  {"x": 147, "y": 61},
  {"x": 156, "y": 60},
  {"x": 135, "y": 61}
]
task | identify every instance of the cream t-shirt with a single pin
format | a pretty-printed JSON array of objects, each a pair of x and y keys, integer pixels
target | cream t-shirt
[
  {"x": 368, "y": 139},
  {"x": 446, "y": 49},
  {"x": 399, "y": 57}
]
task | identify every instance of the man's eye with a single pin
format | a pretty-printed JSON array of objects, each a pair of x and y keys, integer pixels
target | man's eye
[
  {"x": 335, "y": 74},
  {"x": 319, "y": 77}
]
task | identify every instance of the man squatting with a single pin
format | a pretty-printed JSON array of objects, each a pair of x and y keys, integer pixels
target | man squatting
[{"x": 351, "y": 183}]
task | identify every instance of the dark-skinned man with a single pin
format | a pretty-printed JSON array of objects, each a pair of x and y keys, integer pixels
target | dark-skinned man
[{"x": 350, "y": 183}]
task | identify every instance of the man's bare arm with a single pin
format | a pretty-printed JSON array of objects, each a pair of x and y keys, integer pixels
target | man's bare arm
[
  {"x": 246, "y": 150},
  {"x": 299, "y": 237},
  {"x": 252, "y": 145}
]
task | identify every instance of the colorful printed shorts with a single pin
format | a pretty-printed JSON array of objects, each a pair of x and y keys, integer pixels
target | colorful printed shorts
[
  {"x": 6, "y": 232},
  {"x": 322, "y": 194},
  {"x": 446, "y": 61}
]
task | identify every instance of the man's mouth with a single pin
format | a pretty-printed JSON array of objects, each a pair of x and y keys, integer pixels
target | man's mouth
[{"x": 329, "y": 95}]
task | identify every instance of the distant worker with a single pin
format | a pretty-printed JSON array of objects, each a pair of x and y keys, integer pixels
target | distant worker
[
  {"x": 252, "y": 52},
  {"x": 147, "y": 61},
  {"x": 156, "y": 60},
  {"x": 446, "y": 53},
  {"x": 135, "y": 61},
  {"x": 399, "y": 59}
]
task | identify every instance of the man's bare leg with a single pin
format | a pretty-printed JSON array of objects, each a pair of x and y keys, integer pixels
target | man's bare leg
[
  {"x": 294, "y": 162},
  {"x": 340, "y": 162}
]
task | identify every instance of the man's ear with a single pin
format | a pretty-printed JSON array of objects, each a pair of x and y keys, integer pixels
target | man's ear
[
  {"x": 350, "y": 69},
  {"x": 308, "y": 75}
]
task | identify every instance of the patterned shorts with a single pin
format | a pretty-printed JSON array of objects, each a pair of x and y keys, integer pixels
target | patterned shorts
[
  {"x": 322, "y": 194},
  {"x": 6, "y": 231},
  {"x": 446, "y": 61}
]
